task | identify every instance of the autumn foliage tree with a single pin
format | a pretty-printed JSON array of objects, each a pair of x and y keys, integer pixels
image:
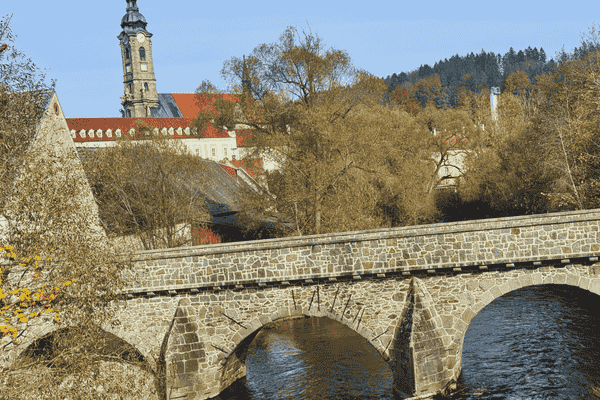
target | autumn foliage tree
[
  {"x": 150, "y": 187},
  {"x": 58, "y": 271},
  {"x": 351, "y": 157}
]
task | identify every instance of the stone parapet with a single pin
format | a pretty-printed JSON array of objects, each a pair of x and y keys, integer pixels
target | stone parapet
[{"x": 406, "y": 249}]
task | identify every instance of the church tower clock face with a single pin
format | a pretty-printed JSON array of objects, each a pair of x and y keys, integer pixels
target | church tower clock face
[{"x": 140, "y": 37}]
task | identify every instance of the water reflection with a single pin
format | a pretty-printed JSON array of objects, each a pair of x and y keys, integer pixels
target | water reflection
[{"x": 313, "y": 358}]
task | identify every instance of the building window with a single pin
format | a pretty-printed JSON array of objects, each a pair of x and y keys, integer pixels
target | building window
[
  {"x": 127, "y": 53},
  {"x": 224, "y": 151},
  {"x": 213, "y": 151},
  {"x": 128, "y": 68},
  {"x": 129, "y": 87},
  {"x": 198, "y": 152},
  {"x": 142, "y": 53},
  {"x": 128, "y": 113},
  {"x": 146, "y": 86},
  {"x": 144, "y": 67}
]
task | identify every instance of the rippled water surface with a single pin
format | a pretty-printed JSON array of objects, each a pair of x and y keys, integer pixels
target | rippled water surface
[
  {"x": 541, "y": 342},
  {"x": 314, "y": 358}
]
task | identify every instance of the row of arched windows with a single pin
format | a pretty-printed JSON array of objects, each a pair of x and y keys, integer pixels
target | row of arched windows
[{"x": 142, "y": 53}]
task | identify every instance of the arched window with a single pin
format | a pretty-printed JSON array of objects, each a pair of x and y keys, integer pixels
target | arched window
[
  {"x": 128, "y": 113},
  {"x": 146, "y": 86},
  {"x": 127, "y": 53},
  {"x": 142, "y": 53}
]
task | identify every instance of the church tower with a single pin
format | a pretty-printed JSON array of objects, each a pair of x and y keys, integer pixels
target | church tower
[{"x": 138, "y": 69}]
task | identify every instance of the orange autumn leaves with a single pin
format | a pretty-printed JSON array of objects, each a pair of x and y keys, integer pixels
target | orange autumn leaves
[{"x": 24, "y": 304}]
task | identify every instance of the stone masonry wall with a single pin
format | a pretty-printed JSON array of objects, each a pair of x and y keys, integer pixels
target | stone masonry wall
[{"x": 428, "y": 247}]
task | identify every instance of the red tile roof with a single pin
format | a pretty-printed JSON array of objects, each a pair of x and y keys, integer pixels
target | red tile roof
[
  {"x": 452, "y": 140},
  {"x": 189, "y": 104},
  {"x": 243, "y": 137},
  {"x": 202, "y": 236},
  {"x": 229, "y": 170},
  {"x": 253, "y": 171},
  {"x": 127, "y": 123}
]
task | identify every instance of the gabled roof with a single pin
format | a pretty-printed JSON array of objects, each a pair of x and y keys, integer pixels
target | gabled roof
[
  {"x": 167, "y": 107},
  {"x": 253, "y": 172},
  {"x": 189, "y": 104},
  {"x": 27, "y": 138},
  {"x": 225, "y": 195},
  {"x": 186, "y": 105}
]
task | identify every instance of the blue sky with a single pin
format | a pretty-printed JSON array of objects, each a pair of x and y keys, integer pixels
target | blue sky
[{"x": 76, "y": 41}]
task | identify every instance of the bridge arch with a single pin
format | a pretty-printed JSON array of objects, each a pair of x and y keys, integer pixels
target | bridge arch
[
  {"x": 493, "y": 291},
  {"x": 234, "y": 364},
  {"x": 39, "y": 346},
  {"x": 42, "y": 330}
]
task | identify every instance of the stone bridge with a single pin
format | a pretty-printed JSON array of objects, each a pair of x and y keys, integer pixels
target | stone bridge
[{"x": 410, "y": 292}]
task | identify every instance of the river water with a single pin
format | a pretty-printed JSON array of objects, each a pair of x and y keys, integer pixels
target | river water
[{"x": 541, "y": 342}]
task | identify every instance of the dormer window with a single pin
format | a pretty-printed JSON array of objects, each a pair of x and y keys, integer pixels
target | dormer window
[{"x": 142, "y": 53}]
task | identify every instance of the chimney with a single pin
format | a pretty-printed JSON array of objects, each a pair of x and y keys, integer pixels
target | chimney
[{"x": 494, "y": 92}]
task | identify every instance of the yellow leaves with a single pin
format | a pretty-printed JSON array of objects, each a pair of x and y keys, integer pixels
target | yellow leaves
[{"x": 23, "y": 308}]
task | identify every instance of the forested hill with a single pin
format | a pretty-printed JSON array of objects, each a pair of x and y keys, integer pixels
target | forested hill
[{"x": 484, "y": 70}]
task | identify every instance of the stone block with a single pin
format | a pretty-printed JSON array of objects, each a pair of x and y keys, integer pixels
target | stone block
[
  {"x": 572, "y": 280},
  {"x": 496, "y": 291},
  {"x": 265, "y": 319},
  {"x": 467, "y": 316},
  {"x": 595, "y": 286},
  {"x": 486, "y": 284},
  {"x": 514, "y": 284},
  {"x": 283, "y": 312},
  {"x": 525, "y": 280},
  {"x": 584, "y": 283},
  {"x": 487, "y": 298},
  {"x": 560, "y": 279},
  {"x": 191, "y": 366},
  {"x": 548, "y": 280}
]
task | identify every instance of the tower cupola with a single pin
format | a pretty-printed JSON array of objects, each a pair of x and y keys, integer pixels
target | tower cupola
[{"x": 133, "y": 21}]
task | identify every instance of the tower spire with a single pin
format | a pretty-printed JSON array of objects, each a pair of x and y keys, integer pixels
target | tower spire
[{"x": 132, "y": 6}]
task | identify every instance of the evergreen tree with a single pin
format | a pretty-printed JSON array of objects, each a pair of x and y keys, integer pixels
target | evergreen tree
[
  {"x": 535, "y": 55},
  {"x": 425, "y": 71},
  {"x": 542, "y": 55}
]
